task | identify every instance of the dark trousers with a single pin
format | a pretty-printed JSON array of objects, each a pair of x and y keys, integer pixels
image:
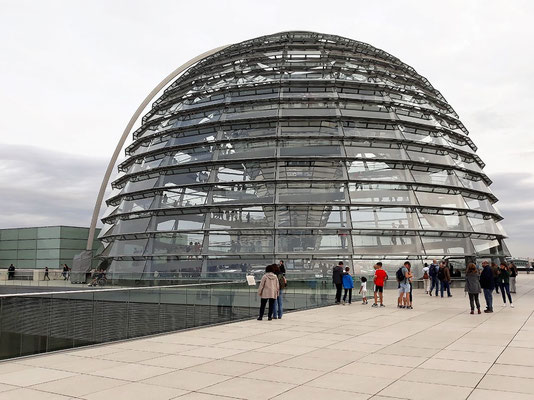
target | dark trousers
[
  {"x": 46, "y": 276},
  {"x": 488, "y": 296},
  {"x": 473, "y": 298},
  {"x": 349, "y": 291},
  {"x": 445, "y": 285},
  {"x": 496, "y": 286},
  {"x": 435, "y": 283},
  {"x": 263, "y": 303},
  {"x": 506, "y": 287},
  {"x": 339, "y": 286}
]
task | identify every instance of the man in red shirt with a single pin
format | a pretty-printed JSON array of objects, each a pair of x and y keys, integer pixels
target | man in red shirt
[{"x": 380, "y": 278}]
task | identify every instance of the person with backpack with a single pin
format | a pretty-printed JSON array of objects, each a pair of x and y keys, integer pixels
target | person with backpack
[
  {"x": 488, "y": 284},
  {"x": 348, "y": 285},
  {"x": 433, "y": 272},
  {"x": 426, "y": 278},
  {"x": 444, "y": 277},
  {"x": 337, "y": 279},
  {"x": 403, "y": 278},
  {"x": 472, "y": 287},
  {"x": 278, "y": 309}
]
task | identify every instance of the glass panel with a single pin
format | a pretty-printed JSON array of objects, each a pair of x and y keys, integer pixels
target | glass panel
[
  {"x": 381, "y": 245},
  {"x": 231, "y": 150},
  {"x": 440, "y": 200},
  {"x": 176, "y": 243},
  {"x": 136, "y": 205},
  {"x": 436, "y": 177},
  {"x": 184, "y": 178},
  {"x": 371, "y": 133},
  {"x": 483, "y": 246},
  {"x": 378, "y": 171},
  {"x": 419, "y": 156},
  {"x": 235, "y": 242},
  {"x": 48, "y": 232},
  {"x": 486, "y": 226},
  {"x": 179, "y": 222},
  {"x": 473, "y": 182},
  {"x": 128, "y": 247},
  {"x": 383, "y": 218},
  {"x": 375, "y": 153},
  {"x": 447, "y": 245},
  {"x": 243, "y": 194},
  {"x": 309, "y": 128},
  {"x": 123, "y": 226},
  {"x": 380, "y": 193},
  {"x": 305, "y": 170},
  {"x": 136, "y": 186},
  {"x": 312, "y": 217},
  {"x": 183, "y": 197},
  {"x": 444, "y": 221},
  {"x": 248, "y": 131},
  {"x": 243, "y": 217},
  {"x": 298, "y": 241},
  {"x": 244, "y": 172},
  {"x": 311, "y": 147},
  {"x": 480, "y": 205},
  {"x": 186, "y": 156},
  {"x": 302, "y": 192}
]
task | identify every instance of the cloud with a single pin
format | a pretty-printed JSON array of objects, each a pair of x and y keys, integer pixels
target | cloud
[{"x": 43, "y": 187}]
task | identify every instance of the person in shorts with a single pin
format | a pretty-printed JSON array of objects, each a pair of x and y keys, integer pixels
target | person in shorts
[
  {"x": 404, "y": 286},
  {"x": 363, "y": 289},
  {"x": 379, "y": 280}
]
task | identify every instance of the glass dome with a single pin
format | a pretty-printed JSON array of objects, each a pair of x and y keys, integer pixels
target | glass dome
[{"x": 303, "y": 147}]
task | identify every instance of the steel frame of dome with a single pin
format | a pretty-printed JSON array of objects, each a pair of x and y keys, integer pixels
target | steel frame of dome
[{"x": 299, "y": 146}]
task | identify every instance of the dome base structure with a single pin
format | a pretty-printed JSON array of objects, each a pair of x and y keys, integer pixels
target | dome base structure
[{"x": 302, "y": 147}]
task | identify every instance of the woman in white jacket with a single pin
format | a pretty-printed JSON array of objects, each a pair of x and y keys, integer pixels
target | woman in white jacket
[{"x": 268, "y": 290}]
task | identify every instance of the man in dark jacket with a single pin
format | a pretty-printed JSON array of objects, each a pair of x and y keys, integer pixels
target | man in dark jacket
[
  {"x": 337, "y": 278},
  {"x": 487, "y": 282},
  {"x": 433, "y": 272}
]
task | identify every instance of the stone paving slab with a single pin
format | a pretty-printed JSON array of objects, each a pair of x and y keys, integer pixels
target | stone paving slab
[{"x": 435, "y": 351}]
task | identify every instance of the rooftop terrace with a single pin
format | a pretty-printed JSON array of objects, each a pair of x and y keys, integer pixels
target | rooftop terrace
[{"x": 436, "y": 351}]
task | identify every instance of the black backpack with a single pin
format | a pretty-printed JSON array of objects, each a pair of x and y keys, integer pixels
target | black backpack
[
  {"x": 441, "y": 274},
  {"x": 400, "y": 275}
]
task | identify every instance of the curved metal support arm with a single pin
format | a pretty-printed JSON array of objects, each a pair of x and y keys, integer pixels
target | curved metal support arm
[{"x": 126, "y": 133}]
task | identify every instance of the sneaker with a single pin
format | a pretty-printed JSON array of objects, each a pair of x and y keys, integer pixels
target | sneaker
[
  {"x": 511, "y": 305},
  {"x": 450, "y": 295},
  {"x": 410, "y": 307},
  {"x": 343, "y": 302},
  {"x": 430, "y": 293},
  {"x": 479, "y": 311},
  {"x": 504, "y": 305},
  {"x": 270, "y": 318},
  {"x": 488, "y": 311},
  {"x": 381, "y": 305},
  {"x": 472, "y": 312},
  {"x": 275, "y": 317},
  {"x": 374, "y": 305},
  {"x": 259, "y": 319}
]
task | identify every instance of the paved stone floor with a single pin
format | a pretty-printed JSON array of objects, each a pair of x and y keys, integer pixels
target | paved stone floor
[{"x": 436, "y": 351}]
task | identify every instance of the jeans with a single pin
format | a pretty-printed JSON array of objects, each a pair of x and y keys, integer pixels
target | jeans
[
  {"x": 496, "y": 286},
  {"x": 488, "y": 295},
  {"x": 339, "y": 286},
  {"x": 435, "y": 283},
  {"x": 278, "y": 306},
  {"x": 473, "y": 298},
  {"x": 349, "y": 291},
  {"x": 263, "y": 303},
  {"x": 512, "y": 284},
  {"x": 506, "y": 287},
  {"x": 445, "y": 285}
]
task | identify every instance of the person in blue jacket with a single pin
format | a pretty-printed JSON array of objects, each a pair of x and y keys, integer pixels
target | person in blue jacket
[
  {"x": 348, "y": 285},
  {"x": 487, "y": 282}
]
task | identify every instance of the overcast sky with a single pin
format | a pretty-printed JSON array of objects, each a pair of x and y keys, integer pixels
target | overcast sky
[{"x": 72, "y": 73}]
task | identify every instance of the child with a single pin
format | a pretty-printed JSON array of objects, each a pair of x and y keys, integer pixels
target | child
[
  {"x": 348, "y": 284},
  {"x": 379, "y": 280},
  {"x": 363, "y": 289}
]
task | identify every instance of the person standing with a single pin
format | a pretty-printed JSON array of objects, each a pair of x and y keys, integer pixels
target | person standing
[
  {"x": 495, "y": 270},
  {"x": 433, "y": 272},
  {"x": 472, "y": 287},
  {"x": 488, "y": 284},
  {"x": 513, "y": 274},
  {"x": 11, "y": 272},
  {"x": 444, "y": 277},
  {"x": 363, "y": 289},
  {"x": 268, "y": 290},
  {"x": 379, "y": 280},
  {"x": 278, "y": 303},
  {"x": 504, "y": 283},
  {"x": 337, "y": 279},
  {"x": 348, "y": 285},
  {"x": 426, "y": 278},
  {"x": 403, "y": 278},
  {"x": 46, "y": 277},
  {"x": 282, "y": 267}
]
